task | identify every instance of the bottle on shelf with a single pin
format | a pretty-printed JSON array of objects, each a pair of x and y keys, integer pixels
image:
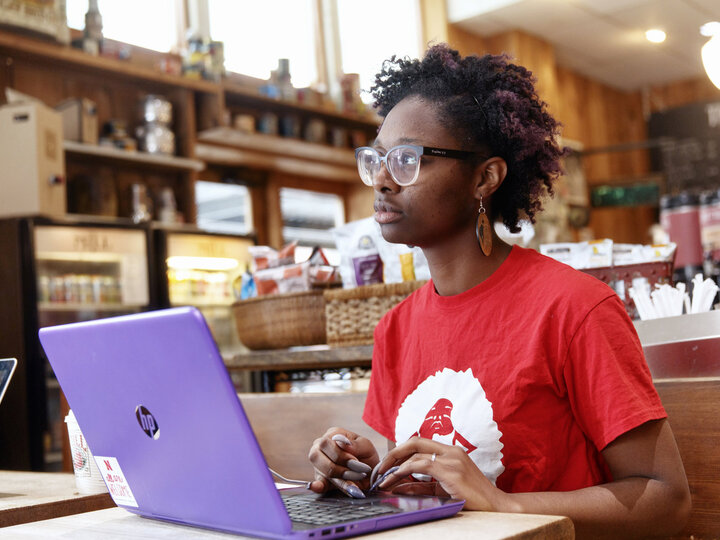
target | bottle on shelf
[
  {"x": 284, "y": 80},
  {"x": 141, "y": 204},
  {"x": 92, "y": 35}
]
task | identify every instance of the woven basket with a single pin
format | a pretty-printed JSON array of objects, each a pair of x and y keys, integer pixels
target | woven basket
[
  {"x": 276, "y": 321},
  {"x": 352, "y": 314}
]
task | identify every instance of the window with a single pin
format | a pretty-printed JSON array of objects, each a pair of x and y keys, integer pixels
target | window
[
  {"x": 256, "y": 34},
  {"x": 372, "y": 31},
  {"x": 308, "y": 217},
  {"x": 223, "y": 208},
  {"x": 150, "y": 24}
]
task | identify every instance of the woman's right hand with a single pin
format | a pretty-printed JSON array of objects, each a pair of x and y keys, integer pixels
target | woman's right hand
[{"x": 340, "y": 453}]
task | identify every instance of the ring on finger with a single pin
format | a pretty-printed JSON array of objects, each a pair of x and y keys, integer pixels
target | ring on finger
[{"x": 432, "y": 459}]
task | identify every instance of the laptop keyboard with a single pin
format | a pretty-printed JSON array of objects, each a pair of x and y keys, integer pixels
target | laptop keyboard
[{"x": 310, "y": 510}]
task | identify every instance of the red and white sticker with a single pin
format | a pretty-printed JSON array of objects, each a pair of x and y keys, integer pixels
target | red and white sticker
[{"x": 115, "y": 480}]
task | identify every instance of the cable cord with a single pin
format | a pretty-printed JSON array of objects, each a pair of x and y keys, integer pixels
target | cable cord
[{"x": 305, "y": 483}]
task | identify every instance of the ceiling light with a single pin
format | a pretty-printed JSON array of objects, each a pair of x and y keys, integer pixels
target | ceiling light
[
  {"x": 711, "y": 59},
  {"x": 710, "y": 29},
  {"x": 655, "y": 35}
]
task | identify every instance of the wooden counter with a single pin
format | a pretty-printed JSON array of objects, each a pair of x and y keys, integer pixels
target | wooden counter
[
  {"x": 33, "y": 496},
  {"x": 117, "y": 524},
  {"x": 312, "y": 357}
]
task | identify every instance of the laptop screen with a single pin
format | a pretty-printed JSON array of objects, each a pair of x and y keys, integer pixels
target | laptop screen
[{"x": 7, "y": 366}]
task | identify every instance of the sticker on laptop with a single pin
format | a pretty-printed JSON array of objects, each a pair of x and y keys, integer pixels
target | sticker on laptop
[{"x": 115, "y": 479}]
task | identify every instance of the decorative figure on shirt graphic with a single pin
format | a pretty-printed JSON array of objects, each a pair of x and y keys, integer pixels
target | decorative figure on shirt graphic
[
  {"x": 451, "y": 407},
  {"x": 438, "y": 421}
]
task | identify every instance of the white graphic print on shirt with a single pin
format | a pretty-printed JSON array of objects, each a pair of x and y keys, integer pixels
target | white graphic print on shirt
[{"x": 451, "y": 407}]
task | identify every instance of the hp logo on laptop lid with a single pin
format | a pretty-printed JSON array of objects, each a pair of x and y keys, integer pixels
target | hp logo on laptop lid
[{"x": 147, "y": 422}]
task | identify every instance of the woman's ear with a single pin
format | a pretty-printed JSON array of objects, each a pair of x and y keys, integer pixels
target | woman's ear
[{"x": 489, "y": 175}]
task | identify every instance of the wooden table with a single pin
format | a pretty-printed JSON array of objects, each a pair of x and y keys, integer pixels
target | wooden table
[
  {"x": 311, "y": 357},
  {"x": 117, "y": 524},
  {"x": 33, "y": 496}
]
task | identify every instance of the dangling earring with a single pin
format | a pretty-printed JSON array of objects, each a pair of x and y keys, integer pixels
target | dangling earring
[{"x": 482, "y": 230}]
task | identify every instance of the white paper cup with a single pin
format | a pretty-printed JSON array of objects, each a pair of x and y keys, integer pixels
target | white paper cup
[{"x": 87, "y": 475}]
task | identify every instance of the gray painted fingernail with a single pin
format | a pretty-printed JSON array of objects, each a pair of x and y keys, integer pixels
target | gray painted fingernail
[
  {"x": 358, "y": 466},
  {"x": 341, "y": 440},
  {"x": 387, "y": 473},
  {"x": 373, "y": 476},
  {"x": 353, "y": 475},
  {"x": 355, "y": 491}
]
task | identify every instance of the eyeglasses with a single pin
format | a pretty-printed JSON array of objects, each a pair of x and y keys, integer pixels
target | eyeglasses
[{"x": 403, "y": 162}]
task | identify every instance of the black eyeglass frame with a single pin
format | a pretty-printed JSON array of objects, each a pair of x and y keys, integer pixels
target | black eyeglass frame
[{"x": 420, "y": 150}]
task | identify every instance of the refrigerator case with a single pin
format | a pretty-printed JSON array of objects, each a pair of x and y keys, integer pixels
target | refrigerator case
[
  {"x": 57, "y": 272},
  {"x": 198, "y": 268}
]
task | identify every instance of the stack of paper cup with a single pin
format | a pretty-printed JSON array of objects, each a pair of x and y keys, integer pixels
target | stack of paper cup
[{"x": 87, "y": 475}]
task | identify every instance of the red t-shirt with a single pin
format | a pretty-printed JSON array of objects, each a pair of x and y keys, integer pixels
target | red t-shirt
[{"x": 533, "y": 372}]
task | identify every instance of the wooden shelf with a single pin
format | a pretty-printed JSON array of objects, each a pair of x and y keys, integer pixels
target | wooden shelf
[
  {"x": 230, "y": 147},
  {"x": 283, "y": 146},
  {"x": 15, "y": 44},
  {"x": 61, "y": 307},
  {"x": 239, "y": 96},
  {"x": 315, "y": 357},
  {"x": 139, "y": 158}
]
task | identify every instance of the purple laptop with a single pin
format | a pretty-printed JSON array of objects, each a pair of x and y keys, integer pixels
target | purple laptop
[{"x": 154, "y": 401}]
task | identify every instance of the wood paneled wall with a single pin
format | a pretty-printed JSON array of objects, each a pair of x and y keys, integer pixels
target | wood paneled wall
[
  {"x": 535, "y": 54},
  {"x": 591, "y": 113},
  {"x": 681, "y": 93}
]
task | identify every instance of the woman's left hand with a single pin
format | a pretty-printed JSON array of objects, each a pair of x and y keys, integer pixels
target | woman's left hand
[{"x": 454, "y": 474}]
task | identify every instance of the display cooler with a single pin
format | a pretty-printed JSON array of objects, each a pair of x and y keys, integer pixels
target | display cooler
[
  {"x": 55, "y": 272},
  {"x": 203, "y": 269}
]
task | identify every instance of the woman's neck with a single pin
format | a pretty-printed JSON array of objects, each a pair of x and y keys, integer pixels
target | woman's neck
[{"x": 458, "y": 266}]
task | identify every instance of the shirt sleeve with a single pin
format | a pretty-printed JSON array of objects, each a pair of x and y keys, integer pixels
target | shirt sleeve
[{"x": 608, "y": 380}]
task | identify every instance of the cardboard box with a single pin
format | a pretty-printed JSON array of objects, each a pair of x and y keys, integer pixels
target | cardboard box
[
  {"x": 80, "y": 121},
  {"x": 33, "y": 160}
]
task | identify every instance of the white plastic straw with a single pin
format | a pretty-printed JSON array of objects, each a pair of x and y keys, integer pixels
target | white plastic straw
[{"x": 667, "y": 301}]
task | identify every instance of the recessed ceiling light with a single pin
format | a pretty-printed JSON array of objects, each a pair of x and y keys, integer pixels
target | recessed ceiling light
[
  {"x": 709, "y": 29},
  {"x": 655, "y": 35}
]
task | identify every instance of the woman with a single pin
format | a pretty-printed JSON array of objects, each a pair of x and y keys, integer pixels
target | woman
[{"x": 510, "y": 380}]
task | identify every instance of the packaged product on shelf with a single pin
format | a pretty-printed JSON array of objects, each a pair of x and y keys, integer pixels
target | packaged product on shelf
[
  {"x": 267, "y": 257},
  {"x": 276, "y": 272},
  {"x": 244, "y": 285},
  {"x": 283, "y": 279},
  {"x": 244, "y": 123},
  {"x": 315, "y": 131},
  {"x": 580, "y": 255},
  {"x": 659, "y": 252},
  {"x": 402, "y": 262},
  {"x": 322, "y": 273},
  {"x": 361, "y": 244},
  {"x": 605, "y": 253},
  {"x": 360, "y": 261},
  {"x": 623, "y": 254}
]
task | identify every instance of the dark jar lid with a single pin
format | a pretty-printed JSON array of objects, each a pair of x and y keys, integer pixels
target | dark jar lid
[
  {"x": 685, "y": 198},
  {"x": 710, "y": 197}
]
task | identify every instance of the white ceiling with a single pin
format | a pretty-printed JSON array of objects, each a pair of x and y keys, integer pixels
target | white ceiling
[{"x": 603, "y": 39}]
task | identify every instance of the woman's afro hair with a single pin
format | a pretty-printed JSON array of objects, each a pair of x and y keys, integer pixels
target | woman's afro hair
[{"x": 493, "y": 104}]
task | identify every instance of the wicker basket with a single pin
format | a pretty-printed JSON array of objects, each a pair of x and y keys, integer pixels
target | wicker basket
[
  {"x": 276, "y": 321},
  {"x": 352, "y": 314}
]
